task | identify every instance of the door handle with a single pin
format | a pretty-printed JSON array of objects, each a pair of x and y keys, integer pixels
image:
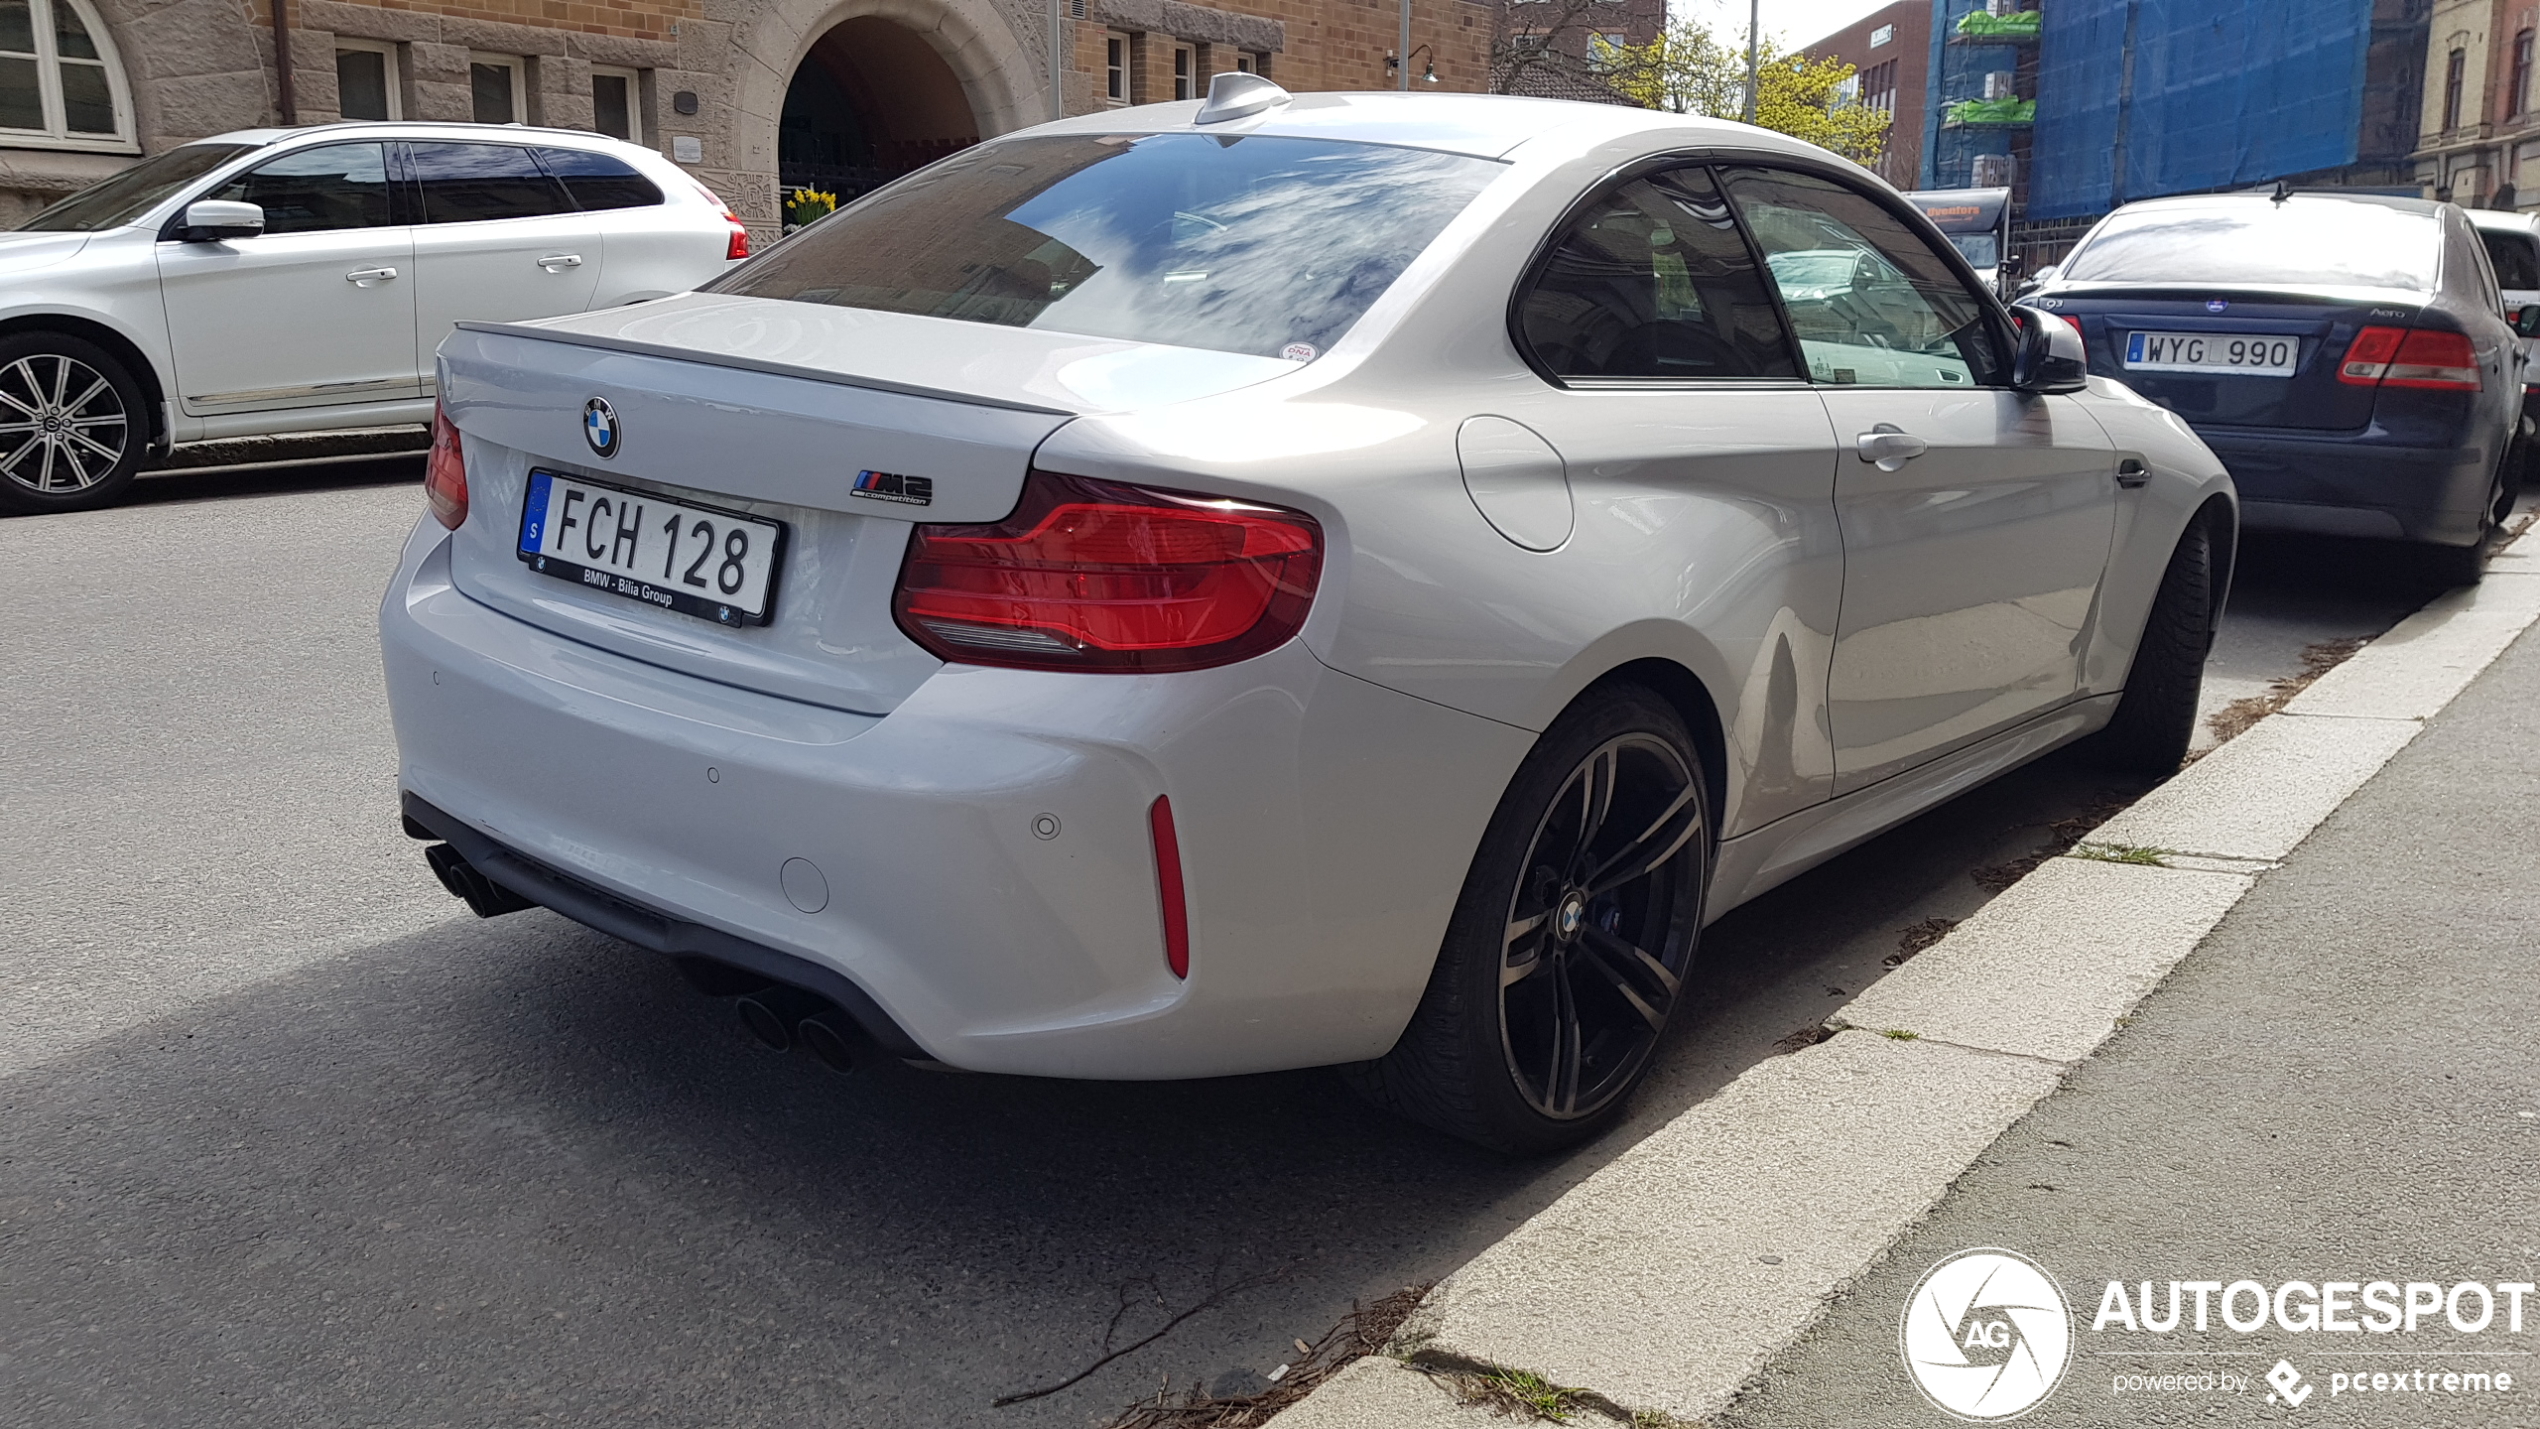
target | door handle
[
  {"x": 553, "y": 261},
  {"x": 1891, "y": 446},
  {"x": 2132, "y": 473},
  {"x": 370, "y": 275}
]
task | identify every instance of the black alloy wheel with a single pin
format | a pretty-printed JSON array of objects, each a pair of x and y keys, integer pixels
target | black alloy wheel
[
  {"x": 1591, "y": 960},
  {"x": 1573, "y": 939}
]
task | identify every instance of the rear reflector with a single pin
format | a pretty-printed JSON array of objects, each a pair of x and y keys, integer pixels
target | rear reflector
[
  {"x": 445, "y": 473},
  {"x": 2400, "y": 357},
  {"x": 1098, "y": 576},
  {"x": 1168, "y": 883}
]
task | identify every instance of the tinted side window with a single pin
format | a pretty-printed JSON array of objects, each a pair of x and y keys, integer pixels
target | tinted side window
[
  {"x": 1654, "y": 281},
  {"x": 315, "y": 190},
  {"x": 598, "y": 180},
  {"x": 466, "y": 183},
  {"x": 1871, "y": 302},
  {"x": 2516, "y": 258}
]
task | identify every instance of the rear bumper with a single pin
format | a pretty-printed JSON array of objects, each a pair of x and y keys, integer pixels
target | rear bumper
[
  {"x": 2357, "y": 488},
  {"x": 983, "y": 849}
]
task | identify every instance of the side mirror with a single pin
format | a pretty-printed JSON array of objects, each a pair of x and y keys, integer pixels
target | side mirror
[
  {"x": 211, "y": 220},
  {"x": 2526, "y": 320},
  {"x": 2014, "y": 266},
  {"x": 2051, "y": 356}
]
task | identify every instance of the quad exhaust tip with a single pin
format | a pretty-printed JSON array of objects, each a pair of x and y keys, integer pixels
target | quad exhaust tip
[
  {"x": 779, "y": 1018},
  {"x": 468, "y": 884}
]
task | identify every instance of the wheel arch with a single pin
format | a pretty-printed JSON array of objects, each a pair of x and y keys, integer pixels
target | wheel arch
[
  {"x": 1683, "y": 690},
  {"x": 122, "y": 348},
  {"x": 2221, "y": 520}
]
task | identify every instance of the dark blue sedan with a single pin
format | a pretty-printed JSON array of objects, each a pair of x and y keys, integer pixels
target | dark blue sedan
[{"x": 2346, "y": 355}]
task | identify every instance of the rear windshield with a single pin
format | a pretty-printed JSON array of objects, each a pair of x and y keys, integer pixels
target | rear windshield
[
  {"x": 2300, "y": 243},
  {"x": 1251, "y": 244},
  {"x": 2517, "y": 261},
  {"x": 130, "y": 194}
]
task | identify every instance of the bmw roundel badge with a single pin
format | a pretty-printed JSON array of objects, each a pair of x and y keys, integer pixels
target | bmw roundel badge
[
  {"x": 2216, "y": 305},
  {"x": 599, "y": 426}
]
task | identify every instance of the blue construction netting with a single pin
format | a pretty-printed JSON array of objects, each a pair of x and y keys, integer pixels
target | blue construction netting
[{"x": 2140, "y": 98}]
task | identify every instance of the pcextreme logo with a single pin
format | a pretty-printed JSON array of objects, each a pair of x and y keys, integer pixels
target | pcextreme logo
[{"x": 1986, "y": 1335}]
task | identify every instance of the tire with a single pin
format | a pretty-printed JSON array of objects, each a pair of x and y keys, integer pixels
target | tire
[
  {"x": 73, "y": 424},
  {"x": 2156, "y": 715},
  {"x": 1598, "y": 858}
]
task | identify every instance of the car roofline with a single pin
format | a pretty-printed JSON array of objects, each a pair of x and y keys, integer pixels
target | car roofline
[
  {"x": 1425, "y": 121},
  {"x": 2242, "y": 198},
  {"x": 453, "y": 128}
]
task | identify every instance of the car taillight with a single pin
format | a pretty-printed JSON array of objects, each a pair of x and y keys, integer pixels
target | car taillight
[
  {"x": 445, "y": 473},
  {"x": 2368, "y": 356},
  {"x": 2434, "y": 359},
  {"x": 1096, "y": 575},
  {"x": 737, "y": 245},
  {"x": 2403, "y": 357}
]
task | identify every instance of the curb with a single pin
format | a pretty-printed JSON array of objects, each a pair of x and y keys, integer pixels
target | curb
[{"x": 1667, "y": 1278}]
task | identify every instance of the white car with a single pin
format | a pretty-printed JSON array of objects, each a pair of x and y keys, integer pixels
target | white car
[
  {"x": 293, "y": 280},
  {"x": 2512, "y": 241},
  {"x": 1346, "y": 579}
]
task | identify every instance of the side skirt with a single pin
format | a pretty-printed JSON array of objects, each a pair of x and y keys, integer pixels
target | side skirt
[{"x": 1758, "y": 861}]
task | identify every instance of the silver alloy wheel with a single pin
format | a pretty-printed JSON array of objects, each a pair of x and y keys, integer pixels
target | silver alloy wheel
[
  {"x": 63, "y": 426},
  {"x": 1600, "y": 926}
]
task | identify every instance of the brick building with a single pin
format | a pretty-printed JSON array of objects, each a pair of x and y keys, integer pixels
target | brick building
[
  {"x": 1891, "y": 50},
  {"x": 741, "y": 92}
]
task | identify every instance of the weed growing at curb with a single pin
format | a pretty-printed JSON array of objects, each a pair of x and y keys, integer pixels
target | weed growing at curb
[
  {"x": 1363, "y": 1331},
  {"x": 2061, "y": 835},
  {"x": 1901, "y": 1035},
  {"x": 1519, "y": 1394},
  {"x": 2123, "y": 853}
]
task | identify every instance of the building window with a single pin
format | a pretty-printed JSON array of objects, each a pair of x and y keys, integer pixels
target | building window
[
  {"x": 60, "y": 82},
  {"x": 495, "y": 83},
  {"x": 2518, "y": 98},
  {"x": 1182, "y": 71},
  {"x": 1243, "y": 65},
  {"x": 367, "y": 81},
  {"x": 1878, "y": 87},
  {"x": 1115, "y": 68},
  {"x": 617, "y": 104},
  {"x": 2455, "y": 70},
  {"x": 1882, "y": 35}
]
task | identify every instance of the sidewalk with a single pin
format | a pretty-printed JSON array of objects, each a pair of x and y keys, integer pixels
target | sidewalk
[{"x": 2342, "y": 1084}]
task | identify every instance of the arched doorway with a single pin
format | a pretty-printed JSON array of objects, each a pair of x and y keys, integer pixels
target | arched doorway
[{"x": 871, "y": 101}]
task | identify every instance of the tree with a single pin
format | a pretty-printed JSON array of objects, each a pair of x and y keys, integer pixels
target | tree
[
  {"x": 1806, "y": 97},
  {"x": 1690, "y": 70},
  {"x": 1560, "y": 49}
]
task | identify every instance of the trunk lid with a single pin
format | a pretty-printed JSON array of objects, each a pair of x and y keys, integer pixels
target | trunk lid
[
  {"x": 2120, "y": 324},
  {"x": 774, "y": 411}
]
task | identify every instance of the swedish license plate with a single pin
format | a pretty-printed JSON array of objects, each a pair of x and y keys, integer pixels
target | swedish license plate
[
  {"x": 2249, "y": 354},
  {"x": 676, "y": 555}
]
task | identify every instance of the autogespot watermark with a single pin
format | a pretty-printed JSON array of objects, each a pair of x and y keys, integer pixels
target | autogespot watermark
[{"x": 1987, "y": 1335}]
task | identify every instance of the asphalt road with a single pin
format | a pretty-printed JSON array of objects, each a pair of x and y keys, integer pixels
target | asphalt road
[
  {"x": 286, "y": 1137},
  {"x": 2338, "y": 1086}
]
